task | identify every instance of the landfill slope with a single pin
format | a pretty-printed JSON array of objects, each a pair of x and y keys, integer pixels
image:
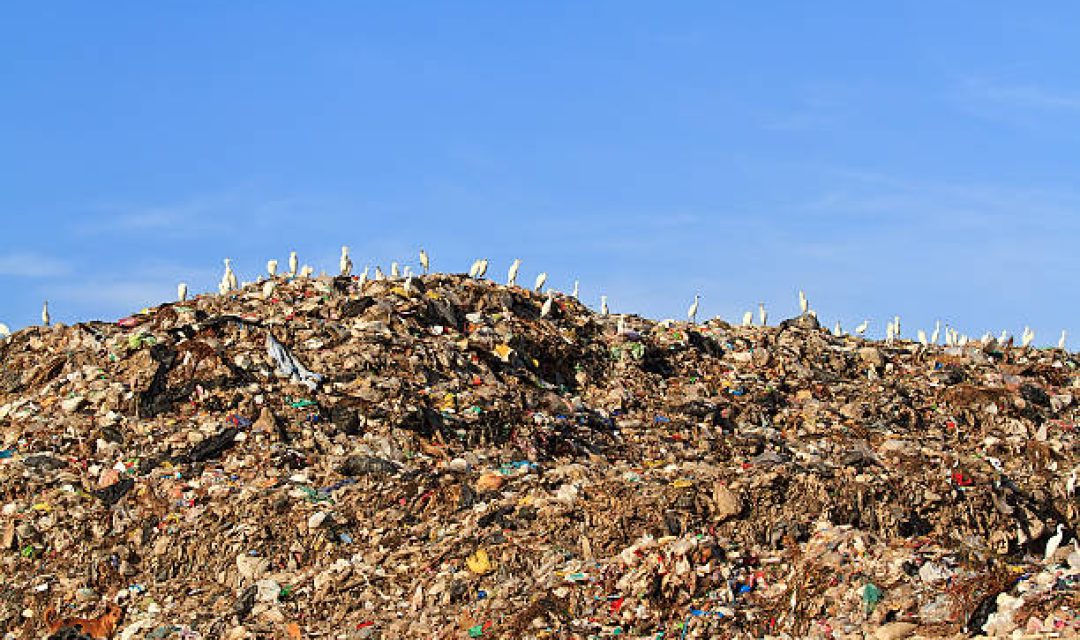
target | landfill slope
[{"x": 337, "y": 459}]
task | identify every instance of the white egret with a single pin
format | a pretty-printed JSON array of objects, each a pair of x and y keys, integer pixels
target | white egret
[
  {"x": 890, "y": 333},
  {"x": 691, "y": 313},
  {"x": 511, "y": 275},
  {"x": 603, "y": 306},
  {"x": 306, "y": 271},
  {"x": 922, "y": 337},
  {"x": 181, "y": 292},
  {"x": 861, "y": 329},
  {"x": 762, "y": 315},
  {"x": 576, "y": 287},
  {"x": 223, "y": 287},
  {"x": 294, "y": 264},
  {"x": 395, "y": 272},
  {"x": 1027, "y": 337},
  {"x": 5, "y": 331},
  {"x": 896, "y": 327},
  {"x": 271, "y": 267},
  {"x": 1053, "y": 543},
  {"x": 408, "y": 285},
  {"x": 424, "y": 262},
  {"x": 228, "y": 277},
  {"x": 546, "y": 308},
  {"x": 379, "y": 275},
  {"x": 1004, "y": 337},
  {"x": 1061, "y": 340},
  {"x": 407, "y": 271},
  {"x": 268, "y": 289},
  {"x": 748, "y": 318},
  {"x": 837, "y": 330},
  {"x": 345, "y": 262},
  {"x": 45, "y": 319},
  {"x": 363, "y": 277},
  {"x": 620, "y": 326},
  {"x": 474, "y": 268},
  {"x": 540, "y": 280},
  {"x": 804, "y": 304},
  {"x": 483, "y": 268},
  {"x": 936, "y": 333}
]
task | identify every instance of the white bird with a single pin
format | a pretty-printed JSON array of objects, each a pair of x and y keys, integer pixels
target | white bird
[
  {"x": 223, "y": 287},
  {"x": 45, "y": 313},
  {"x": 474, "y": 268},
  {"x": 345, "y": 262},
  {"x": 861, "y": 329},
  {"x": 424, "y": 262},
  {"x": 890, "y": 332},
  {"x": 5, "y": 332},
  {"x": 922, "y": 337},
  {"x": 271, "y": 267},
  {"x": 483, "y": 268},
  {"x": 1053, "y": 543},
  {"x": 691, "y": 313},
  {"x": 936, "y": 333},
  {"x": 511, "y": 275},
  {"x": 896, "y": 327},
  {"x": 363, "y": 277},
  {"x": 540, "y": 280},
  {"x": 1004, "y": 337},
  {"x": 576, "y": 285},
  {"x": 620, "y": 326},
  {"x": 407, "y": 272},
  {"x": 394, "y": 272},
  {"x": 546, "y": 308},
  {"x": 748, "y": 318},
  {"x": 268, "y": 289},
  {"x": 294, "y": 264},
  {"x": 1027, "y": 337},
  {"x": 1061, "y": 340},
  {"x": 603, "y": 305},
  {"x": 962, "y": 340},
  {"x": 228, "y": 276},
  {"x": 803, "y": 303},
  {"x": 379, "y": 275},
  {"x": 306, "y": 271},
  {"x": 408, "y": 285},
  {"x": 762, "y": 315},
  {"x": 987, "y": 337},
  {"x": 1070, "y": 484},
  {"x": 837, "y": 330},
  {"x": 181, "y": 292}
]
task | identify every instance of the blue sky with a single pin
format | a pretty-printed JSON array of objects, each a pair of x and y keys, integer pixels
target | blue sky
[{"x": 917, "y": 159}]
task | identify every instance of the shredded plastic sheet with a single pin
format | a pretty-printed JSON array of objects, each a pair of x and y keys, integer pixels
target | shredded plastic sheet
[{"x": 287, "y": 365}]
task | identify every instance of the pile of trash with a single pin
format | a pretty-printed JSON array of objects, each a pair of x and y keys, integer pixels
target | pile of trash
[{"x": 436, "y": 458}]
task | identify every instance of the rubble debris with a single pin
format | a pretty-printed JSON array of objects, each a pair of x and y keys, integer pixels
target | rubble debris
[{"x": 465, "y": 466}]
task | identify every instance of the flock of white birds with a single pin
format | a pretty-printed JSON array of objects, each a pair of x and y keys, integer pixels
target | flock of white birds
[{"x": 478, "y": 270}]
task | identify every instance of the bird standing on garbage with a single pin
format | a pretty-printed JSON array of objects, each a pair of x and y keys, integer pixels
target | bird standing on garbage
[
  {"x": 748, "y": 318},
  {"x": 363, "y": 278},
  {"x": 603, "y": 306},
  {"x": 268, "y": 289},
  {"x": 1061, "y": 340},
  {"x": 922, "y": 337},
  {"x": 511, "y": 275},
  {"x": 540, "y": 280},
  {"x": 803, "y": 303},
  {"x": 5, "y": 331},
  {"x": 546, "y": 308},
  {"x": 861, "y": 329},
  {"x": 762, "y": 315},
  {"x": 345, "y": 262},
  {"x": 576, "y": 286},
  {"x": 937, "y": 332},
  {"x": 379, "y": 275},
  {"x": 394, "y": 271},
  {"x": 306, "y": 271},
  {"x": 271, "y": 267},
  {"x": 691, "y": 313},
  {"x": 1053, "y": 543},
  {"x": 483, "y": 268},
  {"x": 407, "y": 287},
  {"x": 294, "y": 264},
  {"x": 181, "y": 292},
  {"x": 837, "y": 330},
  {"x": 228, "y": 278},
  {"x": 45, "y": 313},
  {"x": 1027, "y": 337},
  {"x": 424, "y": 262}
]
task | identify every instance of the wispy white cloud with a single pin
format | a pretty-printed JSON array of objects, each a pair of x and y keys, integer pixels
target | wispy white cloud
[{"x": 32, "y": 265}]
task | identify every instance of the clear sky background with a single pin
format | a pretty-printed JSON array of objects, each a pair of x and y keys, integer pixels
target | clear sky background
[{"x": 918, "y": 158}]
